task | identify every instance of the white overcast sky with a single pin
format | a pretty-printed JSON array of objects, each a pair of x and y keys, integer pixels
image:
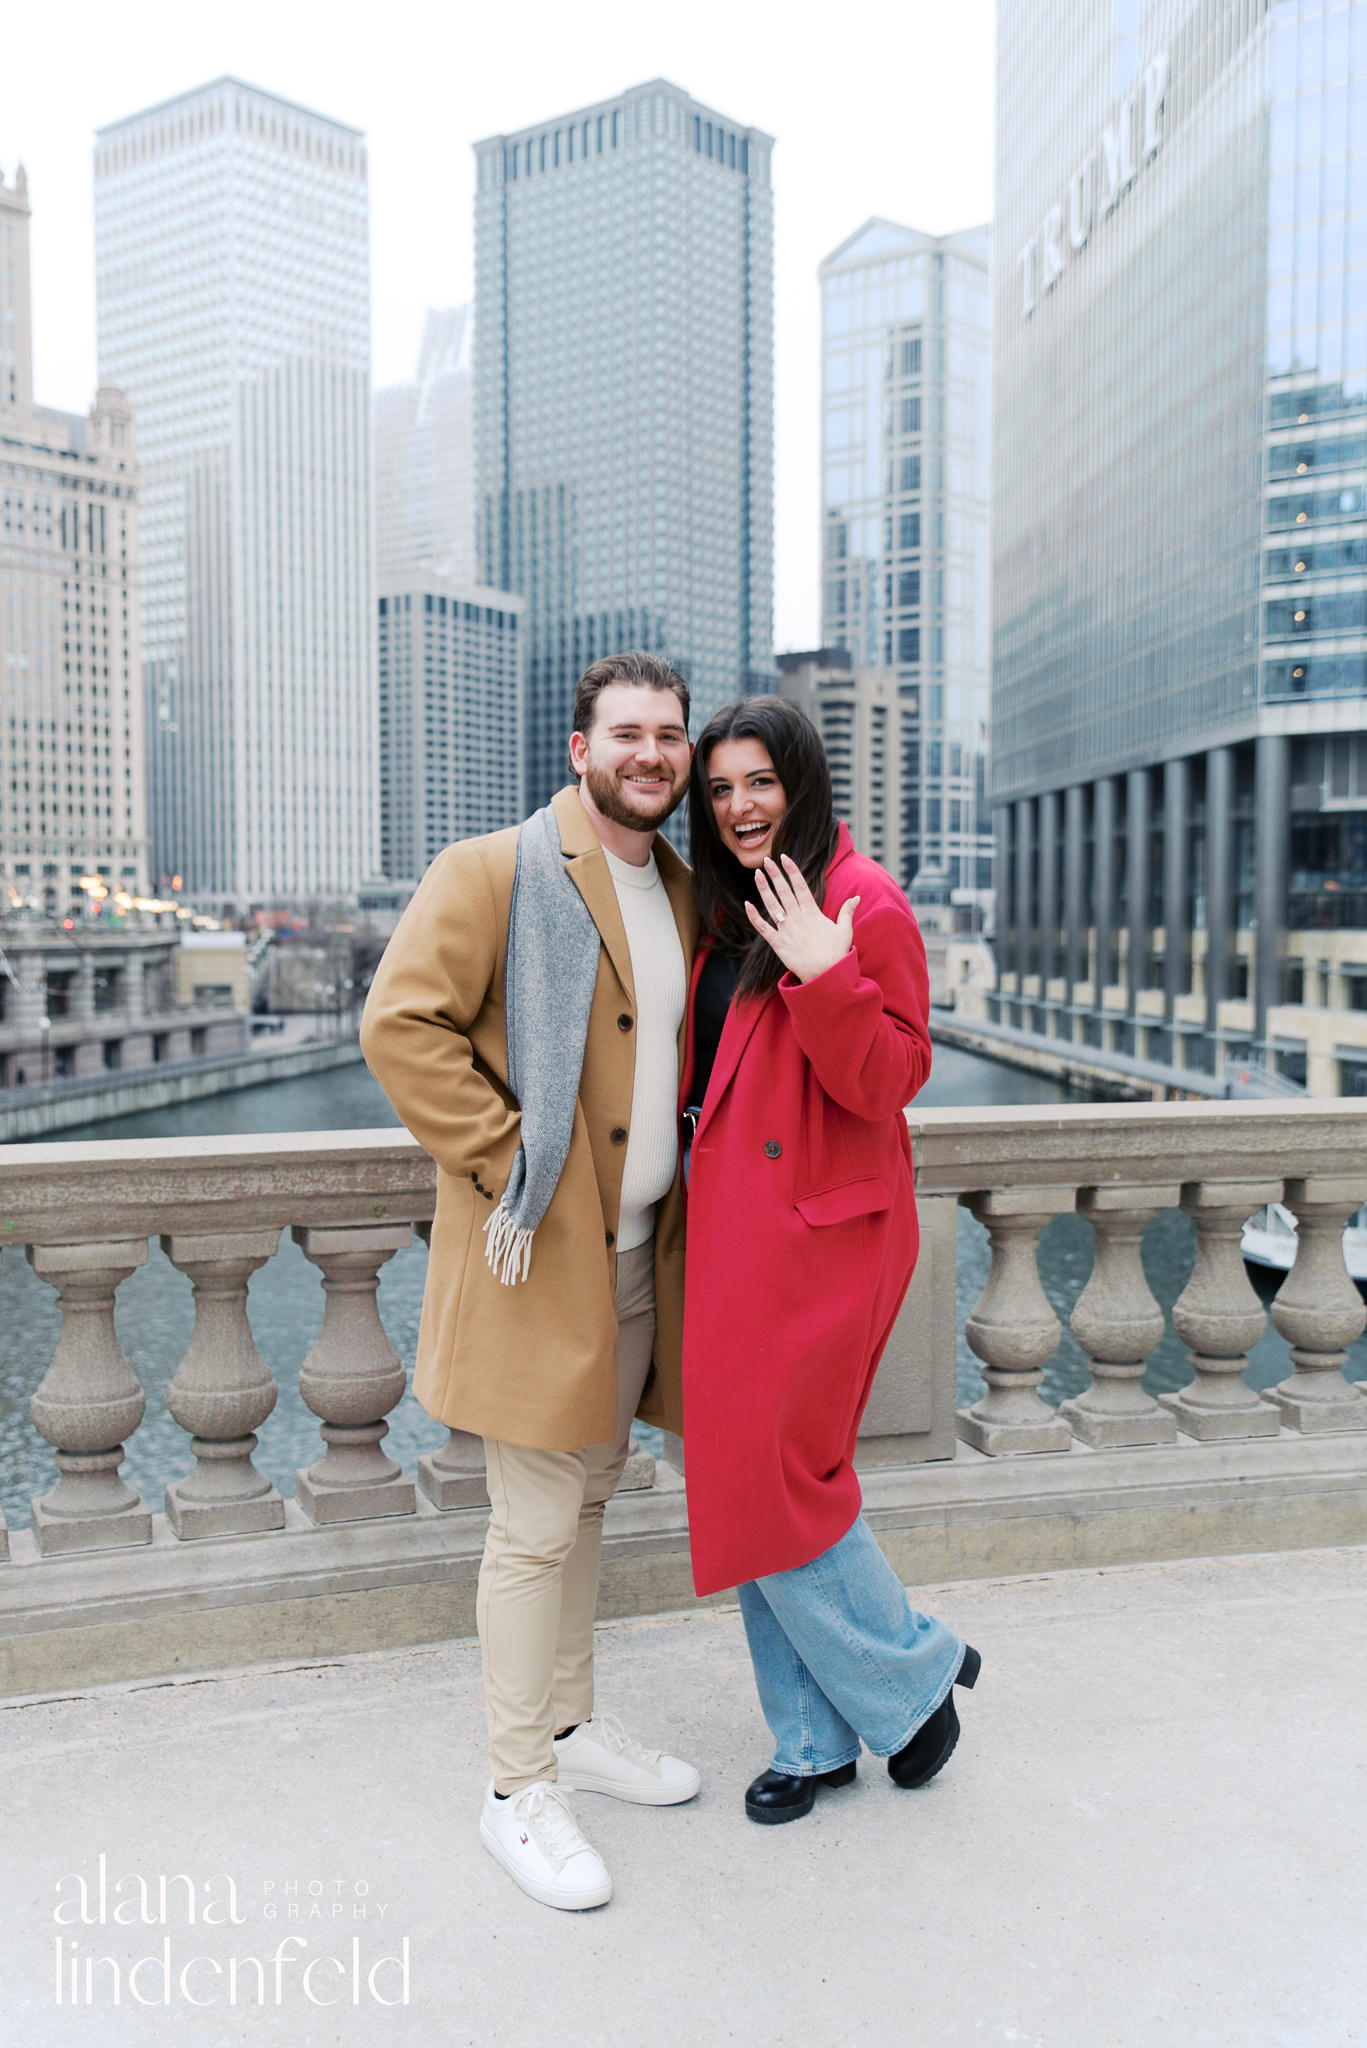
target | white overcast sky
[{"x": 878, "y": 108}]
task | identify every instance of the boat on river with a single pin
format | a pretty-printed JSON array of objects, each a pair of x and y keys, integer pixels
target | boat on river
[{"x": 1270, "y": 1240}]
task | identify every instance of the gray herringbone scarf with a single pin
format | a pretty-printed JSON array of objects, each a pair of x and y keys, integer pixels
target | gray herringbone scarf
[{"x": 552, "y": 967}]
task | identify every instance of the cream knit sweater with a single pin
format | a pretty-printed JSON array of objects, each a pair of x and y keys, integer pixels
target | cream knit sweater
[{"x": 657, "y": 968}]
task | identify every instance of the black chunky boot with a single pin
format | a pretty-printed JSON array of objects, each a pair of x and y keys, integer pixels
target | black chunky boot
[
  {"x": 775, "y": 1797},
  {"x": 932, "y": 1745}
]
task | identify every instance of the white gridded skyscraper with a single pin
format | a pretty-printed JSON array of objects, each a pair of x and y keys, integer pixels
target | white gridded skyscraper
[
  {"x": 232, "y": 281},
  {"x": 624, "y": 397}
]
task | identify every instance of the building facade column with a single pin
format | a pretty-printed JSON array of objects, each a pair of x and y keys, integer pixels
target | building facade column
[
  {"x": 1048, "y": 889},
  {"x": 1074, "y": 901},
  {"x": 1271, "y": 840},
  {"x": 1219, "y": 880},
  {"x": 1004, "y": 899},
  {"x": 1176, "y": 885},
  {"x": 1103, "y": 885},
  {"x": 1137, "y": 884},
  {"x": 1025, "y": 906}
]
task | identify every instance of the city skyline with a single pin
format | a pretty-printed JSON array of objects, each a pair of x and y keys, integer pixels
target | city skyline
[{"x": 924, "y": 154}]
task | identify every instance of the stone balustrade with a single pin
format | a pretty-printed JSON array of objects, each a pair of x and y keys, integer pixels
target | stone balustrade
[{"x": 99, "y": 1556}]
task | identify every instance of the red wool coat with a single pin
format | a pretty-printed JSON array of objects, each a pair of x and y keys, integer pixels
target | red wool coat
[{"x": 801, "y": 1237}]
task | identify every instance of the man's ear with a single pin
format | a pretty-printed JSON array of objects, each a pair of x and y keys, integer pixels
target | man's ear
[{"x": 579, "y": 752}]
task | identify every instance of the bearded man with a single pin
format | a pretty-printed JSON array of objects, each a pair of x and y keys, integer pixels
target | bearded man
[{"x": 526, "y": 1022}]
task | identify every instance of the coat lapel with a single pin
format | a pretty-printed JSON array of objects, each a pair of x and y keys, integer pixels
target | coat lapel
[
  {"x": 736, "y": 1034},
  {"x": 589, "y": 871},
  {"x": 677, "y": 877}
]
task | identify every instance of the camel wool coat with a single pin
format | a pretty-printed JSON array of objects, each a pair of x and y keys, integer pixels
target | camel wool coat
[{"x": 534, "y": 1363}]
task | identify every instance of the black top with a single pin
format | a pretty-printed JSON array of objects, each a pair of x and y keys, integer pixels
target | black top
[{"x": 716, "y": 987}]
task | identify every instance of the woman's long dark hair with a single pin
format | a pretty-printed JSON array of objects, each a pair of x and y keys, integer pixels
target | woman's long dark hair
[{"x": 806, "y": 832}]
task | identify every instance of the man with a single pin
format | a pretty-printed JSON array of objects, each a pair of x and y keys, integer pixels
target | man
[{"x": 527, "y": 1024}]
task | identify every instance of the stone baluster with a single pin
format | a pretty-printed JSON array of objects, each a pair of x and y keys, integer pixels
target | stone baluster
[
  {"x": 453, "y": 1477},
  {"x": 1013, "y": 1330},
  {"x": 639, "y": 1470},
  {"x": 1118, "y": 1322},
  {"x": 88, "y": 1403},
  {"x": 1320, "y": 1312},
  {"x": 1219, "y": 1316},
  {"x": 222, "y": 1391},
  {"x": 352, "y": 1378}
]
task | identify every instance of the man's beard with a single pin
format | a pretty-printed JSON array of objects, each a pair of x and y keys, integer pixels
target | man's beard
[{"x": 611, "y": 804}]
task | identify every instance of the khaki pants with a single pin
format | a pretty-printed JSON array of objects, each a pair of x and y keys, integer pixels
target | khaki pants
[{"x": 538, "y": 1582}]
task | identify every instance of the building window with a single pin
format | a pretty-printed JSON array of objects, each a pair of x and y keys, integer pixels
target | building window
[
  {"x": 909, "y": 530},
  {"x": 911, "y": 472}
]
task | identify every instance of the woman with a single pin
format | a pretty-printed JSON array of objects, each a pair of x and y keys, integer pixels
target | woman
[{"x": 807, "y": 1037}]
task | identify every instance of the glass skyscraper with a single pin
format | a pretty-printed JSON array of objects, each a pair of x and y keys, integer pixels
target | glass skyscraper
[
  {"x": 233, "y": 300},
  {"x": 1180, "y": 532},
  {"x": 624, "y": 397},
  {"x": 906, "y": 396}
]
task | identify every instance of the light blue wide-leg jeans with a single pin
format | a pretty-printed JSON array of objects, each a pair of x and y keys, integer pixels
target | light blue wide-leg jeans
[{"x": 841, "y": 1656}]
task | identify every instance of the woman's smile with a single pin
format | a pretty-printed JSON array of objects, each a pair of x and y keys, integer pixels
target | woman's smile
[{"x": 748, "y": 800}]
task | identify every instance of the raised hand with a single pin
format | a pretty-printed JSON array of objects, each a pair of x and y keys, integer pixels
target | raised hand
[{"x": 805, "y": 939}]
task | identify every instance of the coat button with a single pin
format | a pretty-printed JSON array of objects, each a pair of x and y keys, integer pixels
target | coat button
[
  {"x": 624, "y": 1022},
  {"x": 619, "y": 1136},
  {"x": 609, "y": 1238},
  {"x": 773, "y": 1149}
]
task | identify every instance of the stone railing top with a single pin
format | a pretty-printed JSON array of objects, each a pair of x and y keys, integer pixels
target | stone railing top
[
  {"x": 130, "y": 1187},
  {"x": 1122, "y": 1143}
]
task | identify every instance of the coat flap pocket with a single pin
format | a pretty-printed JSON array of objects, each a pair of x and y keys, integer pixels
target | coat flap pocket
[{"x": 852, "y": 1198}]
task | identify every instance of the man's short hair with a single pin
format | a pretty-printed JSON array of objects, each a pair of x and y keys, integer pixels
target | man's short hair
[{"x": 649, "y": 671}]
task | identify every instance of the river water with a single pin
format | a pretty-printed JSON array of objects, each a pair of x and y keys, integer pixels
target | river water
[{"x": 154, "y": 1313}]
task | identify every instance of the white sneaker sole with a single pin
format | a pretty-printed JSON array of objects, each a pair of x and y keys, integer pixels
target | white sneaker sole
[
  {"x": 663, "y": 1794},
  {"x": 545, "y": 1894}
]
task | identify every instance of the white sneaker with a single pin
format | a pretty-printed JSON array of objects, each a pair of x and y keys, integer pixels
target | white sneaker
[
  {"x": 537, "y": 1840},
  {"x": 599, "y": 1756}
]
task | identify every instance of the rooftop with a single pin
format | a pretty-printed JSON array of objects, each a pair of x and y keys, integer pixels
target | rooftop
[{"x": 1151, "y": 1832}]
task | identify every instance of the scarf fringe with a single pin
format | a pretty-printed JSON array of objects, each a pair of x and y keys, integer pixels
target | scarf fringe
[{"x": 508, "y": 1249}]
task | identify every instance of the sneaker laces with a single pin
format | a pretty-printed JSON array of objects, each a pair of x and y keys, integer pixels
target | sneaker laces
[
  {"x": 546, "y": 1814},
  {"x": 614, "y": 1737}
]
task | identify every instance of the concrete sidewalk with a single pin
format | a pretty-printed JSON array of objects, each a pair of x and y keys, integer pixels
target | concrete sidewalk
[{"x": 1153, "y": 1834}]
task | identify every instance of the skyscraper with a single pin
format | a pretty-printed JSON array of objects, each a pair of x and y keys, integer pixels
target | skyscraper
[
  {"x": 1180, "y": 533},
  {"x": 624, "y": 396},
  {"x": 424, "y": 482},
  {"x": 232, "y": 285},
  {"x": 906, "y": 396},
  {"x": 71, "y": 731},
  {"x": 856, "y": 712},
  {"x": 450, "y": 717}
]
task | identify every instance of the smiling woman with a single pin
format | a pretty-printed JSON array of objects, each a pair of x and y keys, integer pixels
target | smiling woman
[{"x": 802, "y": 1239}]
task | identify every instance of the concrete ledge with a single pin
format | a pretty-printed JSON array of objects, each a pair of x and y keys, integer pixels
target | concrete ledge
[{"x": 304, "y": 1592}]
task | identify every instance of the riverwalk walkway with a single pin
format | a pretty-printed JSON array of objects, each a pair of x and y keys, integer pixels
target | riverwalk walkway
[{"x": 1153, "y": 1835}]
